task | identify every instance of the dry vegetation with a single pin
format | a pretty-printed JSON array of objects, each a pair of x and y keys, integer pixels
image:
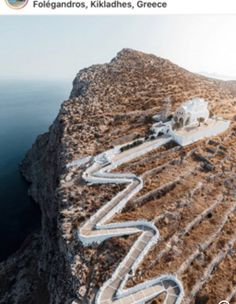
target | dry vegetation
[{"x": 189, "y": 192}]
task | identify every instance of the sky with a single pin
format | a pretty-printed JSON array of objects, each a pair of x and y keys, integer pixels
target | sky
[{"x": 57, "y": 47}]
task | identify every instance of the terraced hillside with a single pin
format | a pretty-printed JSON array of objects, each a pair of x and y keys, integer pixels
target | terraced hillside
[
  {"x": 190, "y": 196},
  {"x": 188, "y": 193}
]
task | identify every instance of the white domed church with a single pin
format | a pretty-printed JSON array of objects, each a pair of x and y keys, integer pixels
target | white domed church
[{"x": 192, "y": 112}]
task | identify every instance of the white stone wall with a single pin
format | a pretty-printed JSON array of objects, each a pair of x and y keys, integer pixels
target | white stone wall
[
  {"x": 186, "y": 138},
  {"x": 100, "y": 172}
]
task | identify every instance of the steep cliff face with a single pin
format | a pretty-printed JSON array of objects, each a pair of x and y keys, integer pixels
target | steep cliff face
[
  {"x": 37, "y": 272},
  {"x": 110, "y": 104}
]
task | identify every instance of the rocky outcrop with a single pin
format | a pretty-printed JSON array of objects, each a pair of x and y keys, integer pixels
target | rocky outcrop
[{"x": 108, "y": 104}]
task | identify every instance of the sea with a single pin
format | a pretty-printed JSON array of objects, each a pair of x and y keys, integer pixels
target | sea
[{"x": 27, "y": 109}]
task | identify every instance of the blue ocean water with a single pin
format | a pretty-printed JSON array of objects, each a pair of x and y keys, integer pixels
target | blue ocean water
[{"x": 27, "y": 108}]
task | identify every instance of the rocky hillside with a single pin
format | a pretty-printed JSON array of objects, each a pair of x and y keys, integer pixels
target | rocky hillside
[{"x": 191, "y": 197}]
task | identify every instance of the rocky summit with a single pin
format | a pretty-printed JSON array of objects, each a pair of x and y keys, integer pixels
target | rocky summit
[{"x": 188, "y": 193}]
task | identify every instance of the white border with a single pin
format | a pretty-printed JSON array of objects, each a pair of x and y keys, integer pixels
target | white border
[{"x": 173, "y": 7}]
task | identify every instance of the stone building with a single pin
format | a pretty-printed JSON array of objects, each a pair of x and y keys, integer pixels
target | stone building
[{"x": 191, "y": 112}]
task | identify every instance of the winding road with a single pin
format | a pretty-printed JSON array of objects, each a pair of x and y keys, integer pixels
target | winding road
[{"x": 97, "y": 229}]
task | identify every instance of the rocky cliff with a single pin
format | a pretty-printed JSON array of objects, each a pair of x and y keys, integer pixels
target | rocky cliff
[{"x": 111, "y": 104}]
